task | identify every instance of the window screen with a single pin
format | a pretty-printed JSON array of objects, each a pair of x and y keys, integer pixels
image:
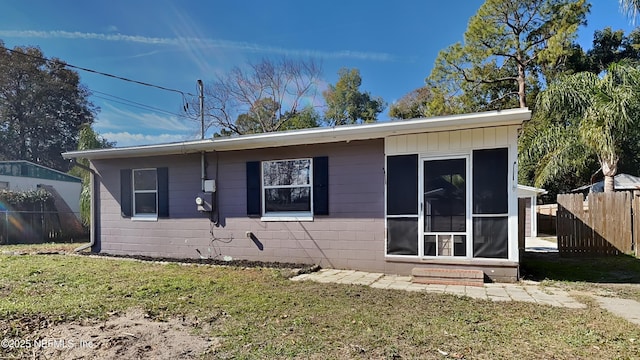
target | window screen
[
  {"x": 445, "y": 196},
  {"x": 402, "y": 185},
  {"x": 402, "y": 236},
  {"x": 490, "y": 176},
  {"x": 490, "y": 237}
]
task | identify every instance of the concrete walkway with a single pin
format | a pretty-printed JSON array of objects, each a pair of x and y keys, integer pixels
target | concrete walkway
[{"x": 495, "y": 291}]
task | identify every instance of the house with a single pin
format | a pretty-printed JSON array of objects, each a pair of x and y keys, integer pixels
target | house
[
  {"x": 385, "y": 197},
  {"x": 528, "y": 198},
  {"x": 22, "y": 175},
  {"x": 621, "y": 182}
]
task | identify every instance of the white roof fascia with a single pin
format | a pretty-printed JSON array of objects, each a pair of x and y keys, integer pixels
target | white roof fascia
[
  {"x": 524, "y": 190},
  {"x": 317, "y": 135}
]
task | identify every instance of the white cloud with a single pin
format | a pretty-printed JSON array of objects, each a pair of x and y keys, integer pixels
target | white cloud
[
  {"x": 128, "y": 139},
  {"x": 112, "y": 117},
  {"x": 192, "y": 42},
  {"x": 128, "y": 128}
]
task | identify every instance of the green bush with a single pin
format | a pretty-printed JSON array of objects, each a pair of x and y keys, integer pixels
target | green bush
[{"x": 23, "y": 200}]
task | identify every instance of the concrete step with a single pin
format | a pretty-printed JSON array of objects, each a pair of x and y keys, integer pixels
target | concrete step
[{"x": 444, "y": 276}]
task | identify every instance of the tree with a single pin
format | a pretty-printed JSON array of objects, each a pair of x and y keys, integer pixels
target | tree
[
  {"x": 590, "y": 115},
  {"x": 257, "y": 98},
  {"x": 346, "y": 104},
  {"x": 508, "y": 47},
  {"x": 579, "y": 166},
  {"x": 413, "y": 105},
  {"x": 630, "y": 8},
  {"x": 42, "y": 106},
  {"x": 87, "y": 139}
]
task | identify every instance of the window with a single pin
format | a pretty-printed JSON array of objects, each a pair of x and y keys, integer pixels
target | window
[
  {"x": 294, "y": 189},
  {"x": 144, "y": 193},
  {"x": 286, "y": 186}
]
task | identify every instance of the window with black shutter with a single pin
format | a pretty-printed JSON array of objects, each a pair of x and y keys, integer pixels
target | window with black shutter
[
  {"x": 144, "y": 193},
  {"x": 292, "y": 189}
]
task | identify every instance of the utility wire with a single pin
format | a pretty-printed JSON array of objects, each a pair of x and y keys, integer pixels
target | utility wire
[
  {"x": 131, "y": 103},
  {"x": 184, "y": 94}
]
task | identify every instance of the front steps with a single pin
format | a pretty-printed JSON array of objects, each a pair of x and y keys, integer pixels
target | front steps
[{"x": 466, "y": 277}]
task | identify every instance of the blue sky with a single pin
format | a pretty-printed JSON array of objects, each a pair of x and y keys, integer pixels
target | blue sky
[{"x": 174, "y": 43}]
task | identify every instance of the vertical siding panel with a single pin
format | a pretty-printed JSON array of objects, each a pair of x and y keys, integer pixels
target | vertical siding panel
[
  {"x": 477, "y": 138},
  {"x": 391, "y": 145},
  {"x": 401, "y": 143},
  {"x": 443, "y": 141},
  {"x": 502, "y": 135},
  {"x": 423, "y": 142},
  {"x": 490, "y": 137},
  {"x": 454, "y": 140},
  {"x": 432, "y": 142},
  {"x": 412, "y": 145},
  {"x": 465, "y": 139}
]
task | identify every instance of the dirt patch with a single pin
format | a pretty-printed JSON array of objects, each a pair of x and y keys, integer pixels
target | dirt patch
[{"x": 132, "y": 335}]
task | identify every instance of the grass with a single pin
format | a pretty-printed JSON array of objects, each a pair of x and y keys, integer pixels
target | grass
[
  {"x": 259, "y": 314},
  {"x": 606, "y": 275}
]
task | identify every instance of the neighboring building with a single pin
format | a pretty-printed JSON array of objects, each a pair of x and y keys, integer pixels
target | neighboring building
[
  {"x": 384, "y": 197},
  {"x": 528, "y": 197},
  {"x": 621, "y": 182},
  {"x": 22, "y": 175}
]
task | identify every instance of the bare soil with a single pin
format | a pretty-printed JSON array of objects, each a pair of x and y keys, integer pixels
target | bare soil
[{"x": 132, "y": 335}]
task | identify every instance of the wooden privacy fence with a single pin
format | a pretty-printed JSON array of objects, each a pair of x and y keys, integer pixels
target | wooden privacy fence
[
  {"x": 36, "y": 227},
  {"x": 602, "y": 225}
]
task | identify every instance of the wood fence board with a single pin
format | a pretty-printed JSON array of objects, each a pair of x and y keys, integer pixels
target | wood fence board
[{"x": 605, "y": 224}]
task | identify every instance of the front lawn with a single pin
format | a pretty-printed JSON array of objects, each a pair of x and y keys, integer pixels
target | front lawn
[
  {"x": 607, "y": 275},
  {"x": 257, "y": 313}
]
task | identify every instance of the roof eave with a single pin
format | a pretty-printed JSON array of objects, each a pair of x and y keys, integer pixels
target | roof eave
[{"x": 316, "y": 135}]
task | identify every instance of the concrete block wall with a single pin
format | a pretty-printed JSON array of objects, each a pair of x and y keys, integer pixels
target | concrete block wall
[{"x": 350, "y": 237}]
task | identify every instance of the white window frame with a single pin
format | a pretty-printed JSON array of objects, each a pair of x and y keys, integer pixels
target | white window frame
[
  {"x": 286, "y": 215},
  {"x": 144, "y": 216}
]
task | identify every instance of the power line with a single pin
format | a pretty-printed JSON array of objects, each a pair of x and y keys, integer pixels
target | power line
[
  {"x": 132, "y": 103},
  {"x": 184, "y": 94}
]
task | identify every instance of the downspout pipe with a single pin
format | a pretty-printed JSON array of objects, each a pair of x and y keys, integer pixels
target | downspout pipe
[
  {"x": 92, "y": 212},
  {"x": 203, "y": 174}
]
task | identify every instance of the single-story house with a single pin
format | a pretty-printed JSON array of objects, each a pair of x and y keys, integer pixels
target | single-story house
[
  {"x": 528, "y": 196},
  {"x": 621, "y": 182},
  {"x": 22, "y": 175},
  {"x": 384, "y": 197}
]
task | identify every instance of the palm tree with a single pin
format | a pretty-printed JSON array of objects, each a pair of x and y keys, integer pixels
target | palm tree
[
  {"x": 594, "y": 115},
  {"x": 630, "y": 8}
]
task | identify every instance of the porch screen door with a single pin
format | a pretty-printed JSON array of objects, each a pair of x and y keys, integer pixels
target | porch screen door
[{"x": 445, "y": 207}]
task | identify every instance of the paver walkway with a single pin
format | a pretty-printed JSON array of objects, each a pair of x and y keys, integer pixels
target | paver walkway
[
  {"x": 624, "y": 308},
  {"x": 495, "y": 291}
]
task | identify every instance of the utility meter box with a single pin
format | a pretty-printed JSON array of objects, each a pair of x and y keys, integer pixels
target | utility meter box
[
  {"x": 210, "y": 186},
  {"x": 204, "y": 202}
]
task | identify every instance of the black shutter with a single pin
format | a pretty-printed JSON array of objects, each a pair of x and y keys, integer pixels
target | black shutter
[
  {"x": 126, "y": 199},
  {"x": 254, "y": 206},
  {"x": 163, "y": 191},
  {"x": 321, "y": 185}
]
